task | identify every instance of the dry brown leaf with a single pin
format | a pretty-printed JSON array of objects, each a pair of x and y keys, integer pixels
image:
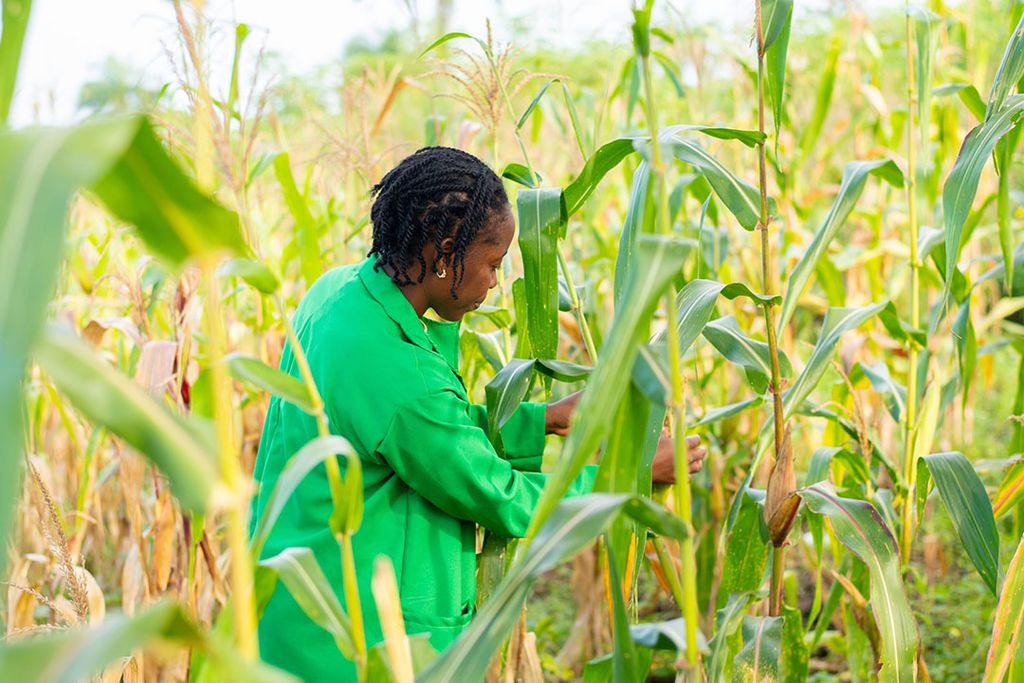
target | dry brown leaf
[
  {"x": 163, "y": 533},
  {"x": 133, "y": 581},
  {"x": 155, "y": 369}
]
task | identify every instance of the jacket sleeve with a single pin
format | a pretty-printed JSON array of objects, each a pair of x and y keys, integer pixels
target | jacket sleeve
[
  {"x": 436, "y": 448},
  {"x": 522, "y": 435}
]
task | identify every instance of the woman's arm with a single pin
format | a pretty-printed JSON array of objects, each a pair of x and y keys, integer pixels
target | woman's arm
[{"x": 436, "y": 447}]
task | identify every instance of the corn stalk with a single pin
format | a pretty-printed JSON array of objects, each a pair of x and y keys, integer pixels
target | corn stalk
[
  {"x": 677, "y": 407},
  {"x": 778, "y": 556}
]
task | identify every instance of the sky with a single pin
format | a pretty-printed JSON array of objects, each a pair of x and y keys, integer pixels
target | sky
[{"x": 68, "y": 40}]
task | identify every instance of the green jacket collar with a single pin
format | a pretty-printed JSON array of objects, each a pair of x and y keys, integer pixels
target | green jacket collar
[{"x": 443, "y": 337}]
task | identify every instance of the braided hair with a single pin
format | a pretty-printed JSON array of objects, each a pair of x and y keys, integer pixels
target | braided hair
[{"x": 436, "y": 192}]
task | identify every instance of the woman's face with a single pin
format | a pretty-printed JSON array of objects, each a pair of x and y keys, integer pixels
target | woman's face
[{"x": 483, "y": 259}]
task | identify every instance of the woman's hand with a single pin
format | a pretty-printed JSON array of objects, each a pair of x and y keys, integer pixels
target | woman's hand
[
  {"x": 663, "y": 470},
  {"x": 559, "y": 413}
]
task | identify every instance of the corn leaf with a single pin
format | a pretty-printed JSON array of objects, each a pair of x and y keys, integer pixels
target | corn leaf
[
  {"x": 1011, "y": 489},
  {"x": 666, "y": 635},
  {"x": 727, "y": 622},
  {"x": 506, "y": 391},
  {"x": 15, "y": 22},
  {"x": 1007, "y": 645},
  {"x": 110, "y": 399},
  {"x": 962, "y": 184},
  {"x": 541, "y": 222},
  {"x": 967, "y": 93},
  {"x": 746, "y": 552},
  {"x": 176, "y": 220},
  {"x": 968, "y": 505},
  {"x": 260, "y": 375},
  {"x": 605, "y": 158},
  {"x": 570, "y": 528},
  {"x": 855, "y": 175},
  {"x": 305, "y": 225},
  {"x": 762, "y": 647},
  {"x": 752, "y": 355},
  {"x": 292, "y": 474},
  {"x": 860, "y": 528},
  {"x": 637, "y": 214},
  {"x": 659, "y": 259},
  {"x": 742, "y": 199},
  {"x": 811, "y": 134},
  {"x": 893, "y": 393},
  {"x": 1011, "y": 70},
  {"x": 299, "y": 571},
  {"x": 779, "y": 21},
  {"x": 252, "y": 272},
  {"x": 78, "y": 654}
]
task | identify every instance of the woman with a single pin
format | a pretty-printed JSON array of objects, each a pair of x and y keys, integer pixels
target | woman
[{"x": 390, "y": 379}]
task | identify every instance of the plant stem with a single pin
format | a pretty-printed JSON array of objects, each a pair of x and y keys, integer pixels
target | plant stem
[
  {"x": 581, "y": 318},
  {"x": 677, "y": 407},
  {"x": 230, "y": 471},
  {"x": 334, "y": 480},
  {"x": 910, "y": 428},
  {"x": 779, "y": 418}
]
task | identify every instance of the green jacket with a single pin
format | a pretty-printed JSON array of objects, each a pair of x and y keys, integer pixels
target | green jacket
[{"x": 430, "y": 475}]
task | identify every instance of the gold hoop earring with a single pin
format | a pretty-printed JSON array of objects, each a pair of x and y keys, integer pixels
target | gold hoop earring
[{"x": 443, "y": 274}]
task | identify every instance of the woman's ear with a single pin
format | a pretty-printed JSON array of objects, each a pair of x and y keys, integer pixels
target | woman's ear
[{"x": 447, "y": 245}]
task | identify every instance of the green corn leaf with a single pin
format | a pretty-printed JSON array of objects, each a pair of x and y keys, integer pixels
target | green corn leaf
[
  {"x": 727, "y": 622},
  {"x": 1011, "y": 489},
  {"x": 604, "y": 159},
  {"x": 924, "y": 21},
  {"x": 563, "y": 371},
  {"x": 725, "y": 335},
  {"x": 893, "y": 393},
  {"x": 811, "y": 134},
  {"x": 966, "y": 345},
  {"x": 860, "y": 528},
  {"x": 301, "y": 574},
  {"x": 534, "y": 102},
  {"x": 452, "y": 35},
  {"x": 15, "y": 23},
  {"x": 962, "y": 184},
  {"x": 968, "y": 505},
  {"x": 696, "y": 301},
  {"x": 967, "y": 93},
  {"x": 292, "y": 474},
  {"x": 1011, "y": 71},
  {"x": 746, "y": 552},
  {"x": 506, "y": 391},
  {"x": 731, "y": 410},
  {"x": 779, "y": 20},
  {"x": 110, "y": 399},
  {"x": 40, "y": 170},
  {"x": 255, "y": 372},
  {"x": 762, "y": 647},
  {"x": 666, "y": 635},
  {"x": 742, "y": 199},
  {"x": 78, "y": 654},
  {"x": 610, "y": 154},
  {"x": 252, "y": 272},
  {"x": 572, "y": 526},
  {"x": 305, "y": 225},
  {"x": 541, "y": 221},
  {"x": 176, "y": 220},
  {"x": 855, "y": 175},
  {"x": 1007, "y": 645},
  {"x": 658, "y": 260},
  {"x": 794, "y": 659},
  {"x": 625, "y": 660},
  {"x": 637, "y": 214},
  {"x": 518, "y": 173}
]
